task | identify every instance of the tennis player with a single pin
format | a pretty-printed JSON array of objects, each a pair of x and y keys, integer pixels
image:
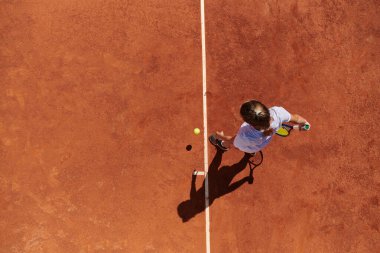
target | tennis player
[{"x": 260, "y": 124}]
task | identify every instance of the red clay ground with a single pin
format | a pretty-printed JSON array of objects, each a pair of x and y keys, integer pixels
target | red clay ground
[
  {"x": 99, "y": 99},
  {"x": 316, "y": 191}
]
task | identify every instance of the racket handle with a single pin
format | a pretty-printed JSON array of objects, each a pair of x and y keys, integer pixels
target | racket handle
[{"x": 306, "y": 127}]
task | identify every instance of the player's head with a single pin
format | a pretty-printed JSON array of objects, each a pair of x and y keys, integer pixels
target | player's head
[{"x": 256, "y": 114}]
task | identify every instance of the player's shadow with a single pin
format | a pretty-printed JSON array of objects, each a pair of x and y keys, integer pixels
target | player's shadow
[{"x": 219, "y": 182}]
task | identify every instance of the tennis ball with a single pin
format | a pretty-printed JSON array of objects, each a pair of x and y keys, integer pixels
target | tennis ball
[{"x": 197, "y": 131}]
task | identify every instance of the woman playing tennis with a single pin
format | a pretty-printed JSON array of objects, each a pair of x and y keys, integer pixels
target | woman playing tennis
[{"x": 258, "y": 129}]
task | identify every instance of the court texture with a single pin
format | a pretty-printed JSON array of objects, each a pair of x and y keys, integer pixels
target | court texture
[{"x": 99, "y": 100}]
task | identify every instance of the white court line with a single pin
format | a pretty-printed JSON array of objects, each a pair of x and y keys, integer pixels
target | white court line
[
  {"x": 198, "y": 173},
  {"x": 205, "y": 134}
]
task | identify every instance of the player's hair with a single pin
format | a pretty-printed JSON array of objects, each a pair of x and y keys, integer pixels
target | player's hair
[{"x": 257, "y": 115}]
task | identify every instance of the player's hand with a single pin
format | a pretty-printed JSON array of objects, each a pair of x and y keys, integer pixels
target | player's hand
[
  {"x": 221, "y": 133},
  {"x": 304, "y": 126}
]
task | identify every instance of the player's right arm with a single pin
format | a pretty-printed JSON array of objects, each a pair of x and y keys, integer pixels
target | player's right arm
[
  {"x": 286, "y": 116},
  {"x": 298, "y": 119}
]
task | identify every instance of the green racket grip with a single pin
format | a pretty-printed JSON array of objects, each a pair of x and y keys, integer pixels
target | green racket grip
[{"x": 306, "y": 127}]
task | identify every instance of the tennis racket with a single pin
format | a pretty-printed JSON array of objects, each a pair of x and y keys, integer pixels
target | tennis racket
[
  {"x": 285, "y": 129},
  {"x": 255, "y": 160}
]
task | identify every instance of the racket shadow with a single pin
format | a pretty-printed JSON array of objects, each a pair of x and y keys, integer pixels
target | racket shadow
[{"x": 219, "y": 181}]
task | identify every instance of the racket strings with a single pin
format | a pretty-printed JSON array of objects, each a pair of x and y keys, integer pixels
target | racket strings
[
  {"x": 256, "y": 159},
  {"x": 284, "y": 130},
  {"x": 286, "y": 127}
]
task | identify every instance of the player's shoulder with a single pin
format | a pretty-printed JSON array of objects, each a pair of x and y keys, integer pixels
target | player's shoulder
[
  {"x": 277, "y": 108},
  {"x": 245, "y": 127},
  {"x": 248, "y": 131},
  {"x": 281, "y": 113}
]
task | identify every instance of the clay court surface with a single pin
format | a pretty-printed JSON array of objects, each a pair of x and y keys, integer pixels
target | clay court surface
[{"x": 99, "y": 100}]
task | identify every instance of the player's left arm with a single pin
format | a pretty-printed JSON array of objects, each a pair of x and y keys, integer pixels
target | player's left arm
[{"x": 220, "y": 135}]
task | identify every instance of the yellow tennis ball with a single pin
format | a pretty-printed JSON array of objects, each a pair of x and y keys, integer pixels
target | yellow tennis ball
[{"x": 197, "y": 131}]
